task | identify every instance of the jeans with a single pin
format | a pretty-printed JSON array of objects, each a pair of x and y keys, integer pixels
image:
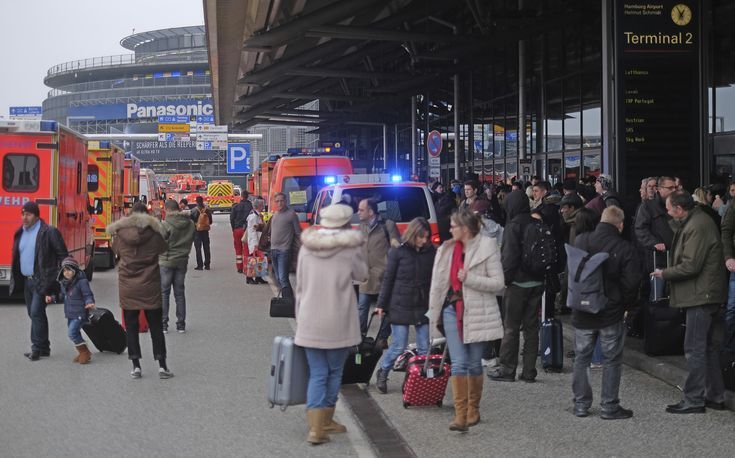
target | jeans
[
  {"x": 325, "y": 376},
  {"x": 174, "y": 276},
  {"x": 36, "y": 306},
  {"x": 281, "y": 260},
  {"x": 729, "y": 340},
  {"x": 611, "y": 341},
  {"x": 201, "y": 240},
  {"x": 704, "y": 380},
  {"x": 597, "y": 354},
  {"x": 155, "y": 323},
  {"x": 400, "y": 341},
  {"x": 74, "y": 329},
  {"x": 466, "y": 358},
  {"x": 520, "y": 307},
  {"x": 364, "y": 301}
]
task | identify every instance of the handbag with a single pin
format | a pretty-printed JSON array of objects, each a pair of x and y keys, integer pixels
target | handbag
[
  {"x": 283, "y": 307},
  {"x": 264, "y": 243}
]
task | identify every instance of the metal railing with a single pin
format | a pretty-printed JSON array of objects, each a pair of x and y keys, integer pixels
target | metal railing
[
  {"x": 122, "y": 59},
  {"x": 127, "y": 83}
]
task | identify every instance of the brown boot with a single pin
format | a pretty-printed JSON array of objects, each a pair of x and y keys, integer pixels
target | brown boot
[
  {"x": 79, "y": 353},
  {"x": 330, "y": 426},
  {"x": 84, "y": 354},
  {"x": 474, "y": 395},
  {"x": 459, "y": 392},
  {"x": 316, "y": 427}
]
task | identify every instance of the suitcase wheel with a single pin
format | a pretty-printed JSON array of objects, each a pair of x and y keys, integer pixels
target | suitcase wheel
[
  {"x": 440, "y": 403},
  {"x": 405, "y": 405}
]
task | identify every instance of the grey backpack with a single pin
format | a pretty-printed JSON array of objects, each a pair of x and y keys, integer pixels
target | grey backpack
[{"x": 586, "y": 288}]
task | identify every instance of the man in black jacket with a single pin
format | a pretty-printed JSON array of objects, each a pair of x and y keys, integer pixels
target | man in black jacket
[
  {"x": 621, "y": 276},
  {"x": 522, "y": 296},
  {"x": 238, "y": 222},
  {"x": 38, "y": 250},
  {"x": 652, "y": 228}
]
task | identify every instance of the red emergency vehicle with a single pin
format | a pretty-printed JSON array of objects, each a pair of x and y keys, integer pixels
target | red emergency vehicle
[
  {"x": 46, "y": 163},
  {"x": 105, "y": 185},
  {"x": 131, "y": 191}
]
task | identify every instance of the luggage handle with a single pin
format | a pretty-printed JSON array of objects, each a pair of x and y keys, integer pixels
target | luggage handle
[
  {"x": 668, "y": 258},
  {"x": 428, "y": 357}
]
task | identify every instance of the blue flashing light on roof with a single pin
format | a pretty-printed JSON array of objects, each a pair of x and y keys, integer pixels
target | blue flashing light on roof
[
  {"x": 330, "y": 180},
  {"x": 395, "y": 178}
]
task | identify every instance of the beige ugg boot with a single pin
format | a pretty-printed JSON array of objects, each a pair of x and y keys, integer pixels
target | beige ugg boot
[
  {"x": 84, "y": 354},
  {"x": 316, "y": 427},
  {"x": 331, "y": 426}
]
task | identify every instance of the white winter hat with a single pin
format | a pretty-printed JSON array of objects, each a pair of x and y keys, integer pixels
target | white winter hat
[{"x": 335, "y": 216}]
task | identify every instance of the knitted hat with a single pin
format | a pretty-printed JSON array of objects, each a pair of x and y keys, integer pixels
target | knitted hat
[
  {"x": 572, "y": 199},
  {"x": 31, "y": 207},
  {"x": 335, "y": 216}
]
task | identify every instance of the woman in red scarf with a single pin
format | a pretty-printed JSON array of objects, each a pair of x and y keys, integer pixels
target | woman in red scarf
[{"x": 466, "y": 277}]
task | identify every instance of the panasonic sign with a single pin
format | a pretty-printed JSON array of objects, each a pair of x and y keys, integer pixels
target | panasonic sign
[{"x": 152, "y": 111}]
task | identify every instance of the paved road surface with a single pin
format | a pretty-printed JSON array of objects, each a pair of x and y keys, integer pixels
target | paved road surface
[{"x": 215, "y": 405}]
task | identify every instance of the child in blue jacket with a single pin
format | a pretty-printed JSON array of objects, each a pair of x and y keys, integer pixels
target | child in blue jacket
[{"x": 78, "y": 300}]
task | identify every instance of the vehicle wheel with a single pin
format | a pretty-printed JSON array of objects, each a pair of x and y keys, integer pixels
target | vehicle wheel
[{"x": 89, "y": 271}]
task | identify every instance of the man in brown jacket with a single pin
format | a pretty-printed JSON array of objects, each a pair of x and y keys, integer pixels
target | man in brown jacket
[
  {"x": 138, "y": 240},
  {"x": 380, "y": 235}
]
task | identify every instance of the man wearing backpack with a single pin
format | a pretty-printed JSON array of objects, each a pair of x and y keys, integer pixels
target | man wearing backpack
[
  {"x": 620, "y": 278},
  {"x": 202, "y": 217},
  {"x": 522, "y": 297}
]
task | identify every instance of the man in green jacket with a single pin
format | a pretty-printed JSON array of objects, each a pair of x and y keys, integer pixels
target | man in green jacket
[
  {"x": 173, "y": 263},
  {"x": 728, "y": 248},
  {"x": 697, "y": 283}
]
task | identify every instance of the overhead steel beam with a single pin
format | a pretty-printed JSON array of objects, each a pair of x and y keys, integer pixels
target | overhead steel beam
[
  {"x": 303, "y": 119},
  {"x": 339, "y": 73},
  {"x": 315, "y": 113},
  {"x": 321, "y": 96},
  {"x": 347, "y": 32},
  {"x": 334, "y": 12}
]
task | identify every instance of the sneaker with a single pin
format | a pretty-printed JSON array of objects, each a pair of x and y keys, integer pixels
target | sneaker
[
  {"x": 181, "y": 330},
  {"x": 164, "y": 373},
  {"x": 165, "y": 330},
  {"x": 595, "y": 365},
  {"x": 136, "y": 373},
  {"x": 500, "y": 376}
]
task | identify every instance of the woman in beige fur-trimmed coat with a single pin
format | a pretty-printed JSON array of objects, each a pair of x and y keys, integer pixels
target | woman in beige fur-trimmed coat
[
  {"x": 330, "y": 260},
  {"x": 138, "y": 240},
  {"x": 467, "y": 276}
]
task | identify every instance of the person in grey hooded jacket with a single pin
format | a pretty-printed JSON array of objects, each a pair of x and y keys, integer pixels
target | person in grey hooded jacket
[{"x": 173, "y": 263}]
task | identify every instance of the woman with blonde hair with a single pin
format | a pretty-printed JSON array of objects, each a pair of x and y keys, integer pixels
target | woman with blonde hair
[
  {"x": 404, "y": 294},
  {"x": 467, "y": 276}
]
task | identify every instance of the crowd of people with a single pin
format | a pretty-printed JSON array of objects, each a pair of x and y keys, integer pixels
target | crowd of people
[{"x": 478, "y": 289}]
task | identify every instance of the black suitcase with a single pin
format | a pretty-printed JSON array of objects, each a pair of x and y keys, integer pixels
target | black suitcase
[
  {"x": 105, "y": 332},
  {"x": 727, "y": 364},
  {"x": 664, "y": 329},
  {"x": 551, "y": 341},
  {"x": 362, "y": 360}
]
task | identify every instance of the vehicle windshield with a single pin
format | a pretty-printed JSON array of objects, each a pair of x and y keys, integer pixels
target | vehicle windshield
[
  {"x": 301, "y": 191},
  {"x": 397, "y": 203}
]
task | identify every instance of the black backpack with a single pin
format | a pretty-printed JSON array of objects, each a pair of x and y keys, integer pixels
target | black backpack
[{"x": 539, "y": 255}]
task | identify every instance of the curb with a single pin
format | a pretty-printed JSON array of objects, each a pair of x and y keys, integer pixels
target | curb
[{"x": 666, "y": 372}]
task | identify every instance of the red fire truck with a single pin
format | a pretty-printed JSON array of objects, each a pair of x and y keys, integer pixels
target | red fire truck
[{"x": 46, "y": 163}]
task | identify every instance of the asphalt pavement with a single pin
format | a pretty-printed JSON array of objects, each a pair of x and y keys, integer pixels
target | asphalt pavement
[{"x": 216, "y": 403}]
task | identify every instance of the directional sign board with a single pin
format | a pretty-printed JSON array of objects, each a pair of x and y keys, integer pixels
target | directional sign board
[
  {"x": 26, "y": 112},
  {"x": 434, "y": 143},
  {"x": 173, "y": 128},
  {"x": 238, "y": 158},
  {"x": 173, "y": 119}
]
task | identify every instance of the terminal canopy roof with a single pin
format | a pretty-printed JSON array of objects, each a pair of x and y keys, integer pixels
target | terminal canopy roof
[{"x": 361, "y": 59}]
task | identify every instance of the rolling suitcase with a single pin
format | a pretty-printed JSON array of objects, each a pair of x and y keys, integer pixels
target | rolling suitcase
[
  {"x": 105, "y": 332},
  {"x": 289, "y": 375},
  {"x": 551, "y": 341},
  {"x": 362, "y": 360},
  {"x": 664, "y": 326},
  {"x": 426, "y": 380}
]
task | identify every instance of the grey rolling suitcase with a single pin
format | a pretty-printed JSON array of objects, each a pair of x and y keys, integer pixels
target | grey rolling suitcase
[{"x": 289, "y": 374}]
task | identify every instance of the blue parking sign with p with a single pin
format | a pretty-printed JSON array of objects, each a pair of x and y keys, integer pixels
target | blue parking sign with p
[{"x": 238, "y": 158}]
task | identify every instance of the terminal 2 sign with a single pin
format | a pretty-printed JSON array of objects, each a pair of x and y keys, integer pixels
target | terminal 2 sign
[{"x": 659, "y": 96}]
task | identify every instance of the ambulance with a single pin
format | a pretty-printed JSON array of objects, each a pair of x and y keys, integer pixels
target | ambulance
[
  {"x": 221, "y": 195},
  {"x": 105, "y": 187},
  {"x": 47, "y": 163},
  {"x": 301, "y": 174},
  {"x": 150, "y": 193},
  {"x": 131, "y": 191}
]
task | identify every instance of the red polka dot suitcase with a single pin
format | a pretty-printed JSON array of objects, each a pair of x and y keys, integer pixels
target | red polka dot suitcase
[{"x": 426, "y": 380}]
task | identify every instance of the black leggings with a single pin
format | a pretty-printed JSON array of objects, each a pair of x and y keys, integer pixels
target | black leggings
[{"x": 155, "y": 323}]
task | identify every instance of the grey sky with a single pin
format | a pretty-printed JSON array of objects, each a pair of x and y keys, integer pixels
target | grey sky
[{"x": 38, "y": 34}]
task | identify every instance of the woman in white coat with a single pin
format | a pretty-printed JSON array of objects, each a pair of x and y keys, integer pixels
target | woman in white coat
[
  {"x": 467, "y": 276},
  {"x": 252, "y": 232}
]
